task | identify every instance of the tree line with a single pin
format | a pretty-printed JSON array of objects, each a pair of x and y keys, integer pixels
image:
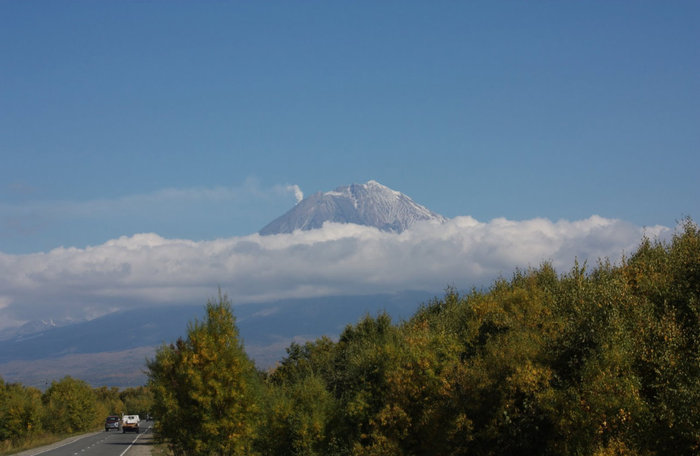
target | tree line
[
  {"x": 68, "y": 406},
  {"x": 599, "y": 360}
]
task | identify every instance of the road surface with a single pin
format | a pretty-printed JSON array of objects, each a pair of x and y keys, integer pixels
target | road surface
[{"x": 101, "y": 443}]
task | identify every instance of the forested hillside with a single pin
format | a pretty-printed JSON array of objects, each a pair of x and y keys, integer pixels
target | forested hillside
[{"x": 599, "y": 360}]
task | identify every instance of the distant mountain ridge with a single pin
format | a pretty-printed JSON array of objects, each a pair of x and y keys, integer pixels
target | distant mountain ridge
[
  {"x": 370, "y": 204},
  {"x": 111, "y": 350},
  {"x": 30, "y": 328}
]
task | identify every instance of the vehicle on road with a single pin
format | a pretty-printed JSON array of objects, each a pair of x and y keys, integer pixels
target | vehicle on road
[
  {"x": 130, "y": 423},
  {"x": 112, "y": 422}
]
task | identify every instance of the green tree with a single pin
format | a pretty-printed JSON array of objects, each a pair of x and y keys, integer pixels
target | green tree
[
  {"x": 109, "y": 402},
  {"x": 20, "y": 412},
  {"x": 302, "y": 361},
  {"x": 205, "y": 388},
  {"x": 596, "y": 405},
  {"x": 296, "y": 417},
  {"x": 70, "y": 406},
  {"x": 363, "y": 356},
  {"x": 503, "y": 374},
  {"x": 664, "y": 278},
  {"x": 297, "y": 403},
  {"x": 137, "y": 401}
]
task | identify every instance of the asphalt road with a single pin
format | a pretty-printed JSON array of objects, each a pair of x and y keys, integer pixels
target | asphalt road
[{"x": 101, "y": 443}]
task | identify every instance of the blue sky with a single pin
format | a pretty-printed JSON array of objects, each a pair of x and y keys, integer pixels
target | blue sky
[{"x": 191, "y": 119}]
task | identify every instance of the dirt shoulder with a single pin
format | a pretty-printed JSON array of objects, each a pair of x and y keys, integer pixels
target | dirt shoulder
[{"x": 143, "y": 445}]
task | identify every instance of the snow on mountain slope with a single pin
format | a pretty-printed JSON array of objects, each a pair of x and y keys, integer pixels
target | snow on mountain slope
[{"x": 371, "y": 204}]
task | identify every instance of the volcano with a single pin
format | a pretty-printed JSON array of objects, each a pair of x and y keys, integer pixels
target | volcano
[{"x": 369, "y": 204}]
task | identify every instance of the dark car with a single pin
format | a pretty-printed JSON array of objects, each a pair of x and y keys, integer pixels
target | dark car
[{"x": 112, "y": 422}]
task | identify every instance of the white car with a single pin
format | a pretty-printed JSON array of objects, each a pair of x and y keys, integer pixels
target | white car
[{"x": 130, "y": 423}]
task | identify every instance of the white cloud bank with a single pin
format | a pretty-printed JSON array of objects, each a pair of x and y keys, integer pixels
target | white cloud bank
[{"x": 146, "y": 269}]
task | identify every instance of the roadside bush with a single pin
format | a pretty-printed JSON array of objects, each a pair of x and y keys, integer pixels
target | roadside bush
[
  {"x": 20, "y": 412},
  {"x": 70, "y": 405}
]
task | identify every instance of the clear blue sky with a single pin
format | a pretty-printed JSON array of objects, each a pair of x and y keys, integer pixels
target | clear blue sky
[{"x": 188, "y": 119}]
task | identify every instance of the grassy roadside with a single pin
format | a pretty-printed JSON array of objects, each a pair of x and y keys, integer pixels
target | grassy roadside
[
  {"x": 8, "y": 448},
  {"x": 161, "y": 449}
]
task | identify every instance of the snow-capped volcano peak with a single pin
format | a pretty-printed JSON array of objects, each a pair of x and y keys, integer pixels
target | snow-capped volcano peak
[{"x": 371, "y": 204}]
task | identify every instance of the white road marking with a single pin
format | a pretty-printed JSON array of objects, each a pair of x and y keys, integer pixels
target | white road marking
[{"x": 132, "y": 443}]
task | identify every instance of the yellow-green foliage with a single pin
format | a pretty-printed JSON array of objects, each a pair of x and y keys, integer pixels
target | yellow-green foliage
[
  {"x": 70, "y": 405},
  {"x": 205, "y": 388},
  {"x": 600, "y": 361},
  {"x": 109, "y": 402},
  {"x": 297, "y": 403},
  {"x": 20, "y": 412},
  {"x": 134, "y": 401}
]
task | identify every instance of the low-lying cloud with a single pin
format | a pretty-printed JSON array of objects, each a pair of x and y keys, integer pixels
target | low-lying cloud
[{"x": 149, "y": 270}]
